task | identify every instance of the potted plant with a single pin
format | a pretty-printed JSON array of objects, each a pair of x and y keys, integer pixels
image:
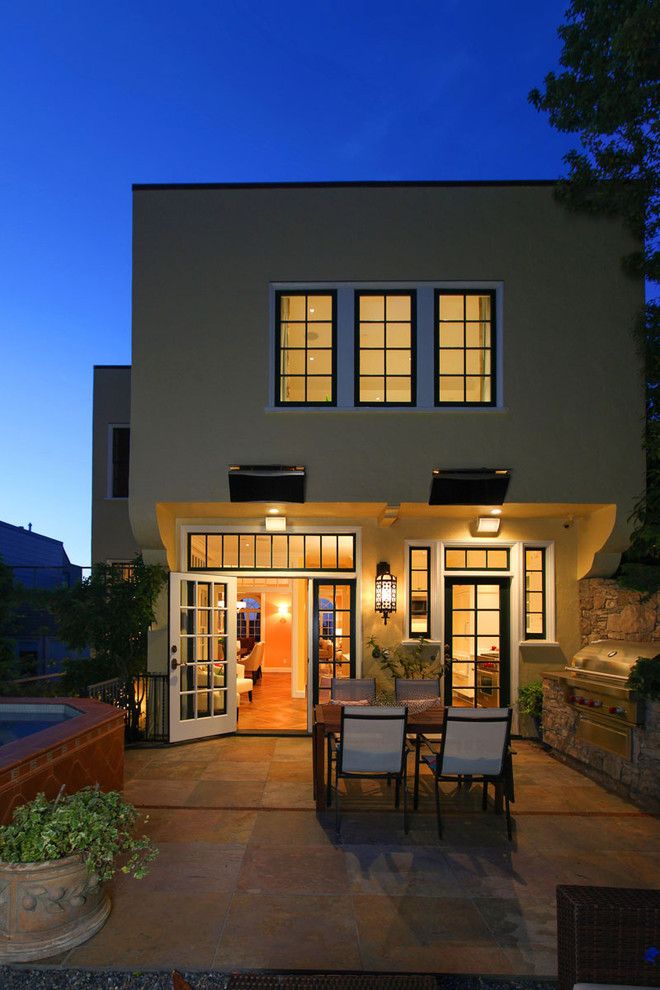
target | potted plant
[
  {"x": 644, "y": 678},
  {"x": 530, "y": 702},
  {"x": 55, "y": 858}
]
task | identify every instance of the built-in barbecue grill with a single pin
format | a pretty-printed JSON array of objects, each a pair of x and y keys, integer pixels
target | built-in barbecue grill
[{"x": 595, "y": 686}]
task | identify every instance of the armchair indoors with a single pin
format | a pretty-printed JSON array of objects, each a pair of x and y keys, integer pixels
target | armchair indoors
[
  {"x": 244, "y": 684},
  {"x": 253, "y": 661},
  {"x": 475, "y": 744}
]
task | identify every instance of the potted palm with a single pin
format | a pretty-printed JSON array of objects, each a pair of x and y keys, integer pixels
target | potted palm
[{"x": 55, "y": 859}]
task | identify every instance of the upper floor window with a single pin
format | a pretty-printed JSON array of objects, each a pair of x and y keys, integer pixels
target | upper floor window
[
  {"x": 305, "y": 349},
  {"x": 465, "y": 348},
  {"x": 385, "y": 348},
  {"x": 120, "y": 456}
]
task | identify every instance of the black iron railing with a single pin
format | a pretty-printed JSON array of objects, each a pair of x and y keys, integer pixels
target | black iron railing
[{"x": 144, "y": 701}]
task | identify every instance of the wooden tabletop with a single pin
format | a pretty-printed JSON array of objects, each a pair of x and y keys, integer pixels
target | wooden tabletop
[{"x": 328, "y": 718}]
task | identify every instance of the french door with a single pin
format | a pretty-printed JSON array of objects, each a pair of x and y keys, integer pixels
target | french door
[
  {"x": 333, "y": 634},
  {"x": 477, "y": 641},
  {"x": 202, "y": 656}
]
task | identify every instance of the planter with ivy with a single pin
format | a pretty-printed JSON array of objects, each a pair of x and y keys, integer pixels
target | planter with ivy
[{"x": 55, "y": 858}]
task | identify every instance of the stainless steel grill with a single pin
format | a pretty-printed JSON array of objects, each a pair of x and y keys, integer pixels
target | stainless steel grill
[{"x": 595, "y": 686}]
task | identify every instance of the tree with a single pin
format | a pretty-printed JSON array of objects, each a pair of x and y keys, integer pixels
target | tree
[
  {"x": 111, "y": 612},
  {"x": 608, "y": 94}
]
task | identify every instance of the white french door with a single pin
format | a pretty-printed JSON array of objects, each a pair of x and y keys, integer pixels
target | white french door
[{"x": 202, "y": 655}]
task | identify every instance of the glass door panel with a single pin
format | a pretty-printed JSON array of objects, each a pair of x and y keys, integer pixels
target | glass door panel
[
  {"x": 333, "y": 634},
  {"x": 202, "y": 656},
  {"x": 477, "y": 642}
]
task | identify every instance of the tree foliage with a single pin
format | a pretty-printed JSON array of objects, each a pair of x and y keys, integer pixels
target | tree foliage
[
  {"x": 607, "y": 93},
  {"x": 111, "y": 611}
]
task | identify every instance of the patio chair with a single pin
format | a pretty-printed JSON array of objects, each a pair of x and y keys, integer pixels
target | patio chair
[
  {"x": 418, "y": 691},
  {"x": 475, "y": 744},
  {"x": 360, "y": 690},
  {"x": 373, "y": 745}
]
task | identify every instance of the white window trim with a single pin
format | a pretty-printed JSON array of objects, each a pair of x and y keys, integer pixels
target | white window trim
[
  {"x": 109, "y": 445},
  {"x": 425, "y": 328}
]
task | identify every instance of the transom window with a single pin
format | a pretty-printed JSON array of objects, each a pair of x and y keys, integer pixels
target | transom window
[
  {"x": 305, "y": 349},
  {"x": 271, "y": 551},
  {"x": 385, "y": 348},
  {"x": 465, "y": 348},
  {"x": 476, "y": 558}
]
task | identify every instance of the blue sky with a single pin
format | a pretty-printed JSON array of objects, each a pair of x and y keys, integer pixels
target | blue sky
[{"x": 94, "y": 97}]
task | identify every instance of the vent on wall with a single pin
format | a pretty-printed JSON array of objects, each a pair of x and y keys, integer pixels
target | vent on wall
[
  {"x": 469, "y": 486},
  {"x": 266, "y": 483}
]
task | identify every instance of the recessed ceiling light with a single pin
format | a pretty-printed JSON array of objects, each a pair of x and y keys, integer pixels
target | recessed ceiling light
[
  {"x": 273, "y": 512},
  {"x": 496, "y": 512}
]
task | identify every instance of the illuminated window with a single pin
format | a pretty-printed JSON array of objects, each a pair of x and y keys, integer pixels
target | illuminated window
[
  {"x": 305, "y": 349},
  {"x": 465, "y": 348},
  {"x": 385, "y": 349},
  {"x": 535, "y": 610},
  {"x": 270, "y": 551},
  {"x": 419, "y": 586},
  {"x": 476, "y": 558}
]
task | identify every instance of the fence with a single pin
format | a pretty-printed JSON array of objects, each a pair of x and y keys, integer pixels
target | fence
[{"x": 145, "y": 703}]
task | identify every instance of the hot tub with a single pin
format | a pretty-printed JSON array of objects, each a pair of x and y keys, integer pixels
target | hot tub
[{"x": 47, "y": 742}]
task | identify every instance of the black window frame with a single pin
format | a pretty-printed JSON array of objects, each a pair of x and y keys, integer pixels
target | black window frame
[
  {"x": 120, "y": 462},
  {"x": 544, "y": 596},
  {"x": 493, "y": 348},
  {"x": 412, "y": 294},
  {"x": 426, "y": 634},
  {"x": 279, "y": 402},
  {"x": 257, "y": 568},
  {"x": 465, "y": 548}
]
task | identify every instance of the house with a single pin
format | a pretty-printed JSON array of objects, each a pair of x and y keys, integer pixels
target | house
[
  {"x": 38, "y": 562},
  {"x": 334, "y": 382}
]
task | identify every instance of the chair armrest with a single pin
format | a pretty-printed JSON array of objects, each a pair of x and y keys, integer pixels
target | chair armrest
[
  {"x": 240, "y": 670},
  {"x": 333, "y": 741}
]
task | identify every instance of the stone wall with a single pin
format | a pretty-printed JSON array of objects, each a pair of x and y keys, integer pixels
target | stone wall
[
  {"x": 608, "y": 611},
  {"x": 638, "y": 778}
]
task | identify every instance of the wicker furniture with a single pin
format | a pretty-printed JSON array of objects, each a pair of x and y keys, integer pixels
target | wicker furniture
[{"x": 608, "y": 935}]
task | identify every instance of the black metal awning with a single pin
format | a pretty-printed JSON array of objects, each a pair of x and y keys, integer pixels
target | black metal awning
[
  {"x": 266, "y": 483},
  {"x": 469, "y": 486}
]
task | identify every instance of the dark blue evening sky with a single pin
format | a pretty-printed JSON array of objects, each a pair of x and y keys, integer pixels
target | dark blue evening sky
[{"x": 94, "y": 97}]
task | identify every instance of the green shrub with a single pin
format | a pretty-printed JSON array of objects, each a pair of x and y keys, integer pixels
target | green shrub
[
  {"x": 644, "y": 678},
  {"x": 530, "y": 699},
  {"x": 98, "y": 826}
]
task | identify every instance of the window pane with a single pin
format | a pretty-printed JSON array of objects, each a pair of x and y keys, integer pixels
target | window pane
[
  {"x": 263, "y": 551},
  {"x": 477, "y": 307},
  {"x": 247, "y": 551},
  {"x": 476, "y": 559},
  {"x": 534, "y": 581},
  {"x": 279, "y": 552},
  {"x": 419, "y": 580},
  {"x": 372, "y": 307},
  {"x": 451, "y": 389},
  {"x": 498, "y": 559},
  {"x": 293, "y": 307},
  {"x": 398, "y": 307},
  {"x": 319, "y": 308},
  {"x": 451, "y": 307},
  {"x": 319, "y": 335},
  {"x": 452, "y": 362},
  {"x": 463, "y": 596},
  {"x": 292, "y": 390},
  {"x": 477, "y": 362},
  {"x": 463, "y": 622},
  {"x": 372, "y": 335},
  {"x": 372, "y": 362},
  {"x": 454, "y": 558},
  {"x": 534, "y": 560},
  {"x": 399, "y": 390},
  {"x": 372, "y": 389},
  {"x": 292, "y": 335},
  {"x": 312, "y": 552},
  {"x": 477, "y": 389},
  {"x": 230, "y": 550},
  {"x": 293, "y": 362},
  {"x": 418, "y": 559},
  {"x": 452, "y": 335},
  {"x": 198, "y": 550},
  {"x": 534, "y": 624},
  {"x": 345, "y": 547},
  {"x": 398, "y": 335},
  {"x": 296, "y": 552},
  {"x": 329, "y": 551},
  {"x": 214, "y": 551},
  {"x": 477, "y": 335},
  {"x": 398, "y": 363},
  {"x": 319, "y": 389},
  {"x": 319, "y": 362}
]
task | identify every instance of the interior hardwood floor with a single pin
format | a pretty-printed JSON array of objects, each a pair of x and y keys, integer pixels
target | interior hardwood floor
[{"x": 272, "y": 706}]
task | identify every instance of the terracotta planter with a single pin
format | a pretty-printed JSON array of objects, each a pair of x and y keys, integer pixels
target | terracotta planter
[{"x": 46, "y": 908}]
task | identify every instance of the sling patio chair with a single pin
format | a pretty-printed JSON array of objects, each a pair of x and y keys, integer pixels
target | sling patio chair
[
  {"x": 372, "y": 746},
  {"x": 344, "y": 691},
  {"x": 418, "y": 694},
  {"x": 475, "y": 744}
]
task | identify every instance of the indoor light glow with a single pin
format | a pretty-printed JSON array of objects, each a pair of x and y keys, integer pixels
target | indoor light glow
[
  {"x": 275, "y": 524},
  {"x": 486, "y": 524},
  {"x": 385, "y": 591}
]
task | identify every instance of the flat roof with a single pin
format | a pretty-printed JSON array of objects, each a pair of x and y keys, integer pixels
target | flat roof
[{"x": 369, "y": 184}]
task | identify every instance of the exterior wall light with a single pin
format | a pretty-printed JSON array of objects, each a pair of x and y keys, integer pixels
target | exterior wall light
[
  {"x": 276, "y": 524},
  {"x": 488, "y": 525},
  {"x": 385, "y": 591}
]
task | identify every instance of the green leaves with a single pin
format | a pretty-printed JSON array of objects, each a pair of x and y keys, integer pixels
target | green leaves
[
  {"x": 99, "y": 826},
  {"x": 644, "y": 678},
  {"x": 530, "y": 699}
]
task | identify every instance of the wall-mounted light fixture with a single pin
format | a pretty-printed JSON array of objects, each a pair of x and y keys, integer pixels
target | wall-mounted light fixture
[
  {"x": 283, "y": 612},
  {"x": 275, "y": 524},
  {"x": 241, "y": 603},
  {"x": 488, "y": 525},
  {"x": 385, "y": 591}
]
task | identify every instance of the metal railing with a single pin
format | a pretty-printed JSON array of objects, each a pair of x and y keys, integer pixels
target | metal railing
[{"x": 144, "y": 701}]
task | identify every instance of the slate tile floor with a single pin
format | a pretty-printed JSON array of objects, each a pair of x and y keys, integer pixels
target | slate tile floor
[{"x": 249, "y": 878}]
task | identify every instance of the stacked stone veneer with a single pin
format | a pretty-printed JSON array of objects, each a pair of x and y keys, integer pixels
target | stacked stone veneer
[
  {"x": 608, "y": 611},
  {"x": 638, "y": 778}
]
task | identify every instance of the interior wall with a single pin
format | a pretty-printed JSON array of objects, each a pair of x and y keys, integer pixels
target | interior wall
[
  {"x": 299, "y": 596},
  {"x": 276, "y": 629}
]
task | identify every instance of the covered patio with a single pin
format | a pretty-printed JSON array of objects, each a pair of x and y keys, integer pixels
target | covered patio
[{"x": 249, "y": 877}]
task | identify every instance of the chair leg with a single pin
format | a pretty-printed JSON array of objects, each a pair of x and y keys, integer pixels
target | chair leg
[
  {"x": 437, "y": 805},
  {"x": 484, "y": 796},
  {"x": 250, "y": 695},
  {"x": 406, "y": 825},
  {"x": 418, "y": 747},
  {"x": 508, "y": 817}
]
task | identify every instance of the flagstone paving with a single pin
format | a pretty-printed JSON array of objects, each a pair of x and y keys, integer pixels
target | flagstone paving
[{"x": 249, "y": 877}]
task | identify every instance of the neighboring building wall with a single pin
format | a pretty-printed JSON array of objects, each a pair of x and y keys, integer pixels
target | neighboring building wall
[
  {"x": 203, "y": 262},
  {"x": 112, "y": 536},
  {"x": 608, "y": 611}
]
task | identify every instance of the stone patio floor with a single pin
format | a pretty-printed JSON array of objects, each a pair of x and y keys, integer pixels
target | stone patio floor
[{"x": 248, "y": 876}]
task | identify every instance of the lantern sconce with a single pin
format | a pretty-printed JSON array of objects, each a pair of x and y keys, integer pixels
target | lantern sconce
[{"x": 385, "y": 591}]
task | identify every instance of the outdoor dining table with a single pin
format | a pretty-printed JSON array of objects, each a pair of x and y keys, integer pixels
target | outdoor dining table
[{"x": 327, "y": 719}]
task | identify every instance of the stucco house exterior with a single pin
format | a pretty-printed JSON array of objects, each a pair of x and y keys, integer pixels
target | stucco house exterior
[{"x": 330, "y": 377}]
